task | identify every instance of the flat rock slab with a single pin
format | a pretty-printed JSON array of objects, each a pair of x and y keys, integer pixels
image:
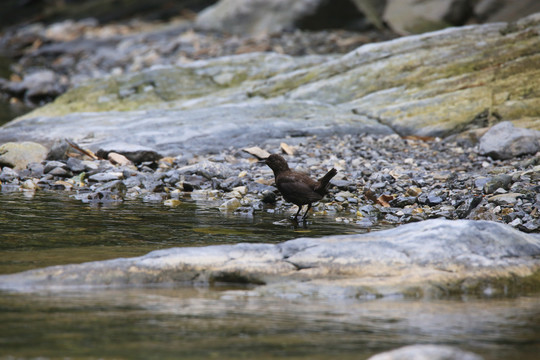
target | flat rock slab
[
  {"x": 170, "y": 132},
  {"x": 434, "y": 84},
  {"x": 430, "y": 258}
]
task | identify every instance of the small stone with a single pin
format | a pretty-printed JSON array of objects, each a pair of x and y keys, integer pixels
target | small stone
[
  {"x": 104, "y": 177},
  {"x": 402, "y": 201},
  {"x": 500, "y": 181},
  {"x": 8, "y": 174},
  {"x": 60, "y": 172},
  {"x": 75, "y": 165},
  {"x": 230, "y": 205},
  {"x": 172, "y": 202},
  {"x": 242, "y": 190},
  {"x": 269, "y": 197},
  {"x": 118, "y": 159},
  {"x": 433, "y": 200},
  {"x": 505, "y": 199},
  {"x": 413, "y": 191},
  {"x": 257, "y": 152},
  {"x": 286, "y": 149},
  {"x": 29, "y": 185},
  {"x": 153, "y": 197},
  {"x": 51, "y": 165}
]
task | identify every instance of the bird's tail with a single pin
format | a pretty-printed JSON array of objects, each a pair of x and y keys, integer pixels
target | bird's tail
[{"x": 325, "y": 181}]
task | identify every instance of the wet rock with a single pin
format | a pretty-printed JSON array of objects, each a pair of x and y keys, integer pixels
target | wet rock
[
  {"x": 402, "y": 201},
  {"x": 432, "y": 258},
  {"x": 19, "y": 154},
  {"x": 269, "y": 197},
  {"x": 37, "y": 170},
  {"x": 504, "y": 141},
  {"x": 99, "y": 197},
  {"x": 424, "y": 352},
  {"x": 8, "y": 174},
  {"x": 114, "y": 187},
  {"x": 153, "y": 197},
  {"x": 230, "y": 205}
]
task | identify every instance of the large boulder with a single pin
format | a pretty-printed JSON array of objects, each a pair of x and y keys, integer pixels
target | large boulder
[
  {"x": 431, "y": 258},
  {"x": 434, "y": 84}
]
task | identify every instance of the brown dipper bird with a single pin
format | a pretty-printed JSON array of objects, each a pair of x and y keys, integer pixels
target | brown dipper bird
[{"x": 296, "y": 187}]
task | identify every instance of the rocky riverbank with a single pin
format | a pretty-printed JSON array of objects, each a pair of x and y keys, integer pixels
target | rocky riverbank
[{"x": 382, "y": 179}]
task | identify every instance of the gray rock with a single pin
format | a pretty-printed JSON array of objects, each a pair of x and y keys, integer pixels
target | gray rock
[
  {"x": 51, "y": 165},
  {"x": 254, "y": 16},
  {"x": 104, "y": 177},
  {"x": 425, "y": 352},
  {"x": 505, "y": 199},
  {"x": 75, "y": 165},
  {"x": 402, "y": 201},
  {"x": 8, "y": 174},
  {"x": 502, "y": 181},
  {"x": 134, "y": 152},
  {"x": 412, "y": 17},
  {"x": 58, "y": 150},
  {"x": 19, "y": 154},
  {"x": 38, "y": 86},
  {"x": 432, "y": 258},
  {"x": 504, "y": 141},
  {"x": 209, "y": 170},
  {"x": 60, "y": 172}
]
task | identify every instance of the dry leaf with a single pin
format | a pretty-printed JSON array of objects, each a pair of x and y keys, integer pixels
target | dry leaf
[{"x": 384, "y": 199}]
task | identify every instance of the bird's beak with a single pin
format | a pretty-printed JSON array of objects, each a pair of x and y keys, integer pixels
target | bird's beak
[{"x": 262, "y": 161}]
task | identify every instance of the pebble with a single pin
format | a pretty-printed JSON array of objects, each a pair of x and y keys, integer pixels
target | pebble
[{"x": 434, "y": 181}]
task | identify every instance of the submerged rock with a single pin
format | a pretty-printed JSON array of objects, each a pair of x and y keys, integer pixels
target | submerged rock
[
  {"x": 430, "y": 258},
  {"x": 425, "y": 352}
]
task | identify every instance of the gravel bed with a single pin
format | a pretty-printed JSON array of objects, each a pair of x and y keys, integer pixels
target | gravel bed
[{"x": 381, "y": 181}]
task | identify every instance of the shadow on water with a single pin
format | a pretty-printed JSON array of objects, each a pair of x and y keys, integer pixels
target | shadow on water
[{"x": 51, "y": 229}]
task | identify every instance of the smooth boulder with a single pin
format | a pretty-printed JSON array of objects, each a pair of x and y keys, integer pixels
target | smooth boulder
[{"x": 432, "y": 258}]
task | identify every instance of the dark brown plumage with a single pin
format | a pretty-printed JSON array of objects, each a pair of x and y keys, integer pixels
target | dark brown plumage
[{"x": 296, "y": 187}]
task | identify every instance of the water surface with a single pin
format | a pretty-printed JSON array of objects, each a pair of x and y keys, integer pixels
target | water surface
[{"x": 202, "y": 322}]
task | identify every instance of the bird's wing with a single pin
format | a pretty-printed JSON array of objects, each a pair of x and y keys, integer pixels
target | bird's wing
[{"x": 297, "y": 192}]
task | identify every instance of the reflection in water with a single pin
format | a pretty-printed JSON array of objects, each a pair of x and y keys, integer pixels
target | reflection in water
[
  {"x": 52, "y": 229},
  {"x": 197, "y": 323},
  {"x": 222, "y": 323}
]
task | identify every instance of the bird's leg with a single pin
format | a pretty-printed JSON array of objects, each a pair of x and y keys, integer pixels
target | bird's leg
[
  {"x": 298, "y": 212},
  {"x": 305, "y": 215}
]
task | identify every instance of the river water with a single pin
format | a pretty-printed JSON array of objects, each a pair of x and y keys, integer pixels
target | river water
[{"x": 216, "y": 322}]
